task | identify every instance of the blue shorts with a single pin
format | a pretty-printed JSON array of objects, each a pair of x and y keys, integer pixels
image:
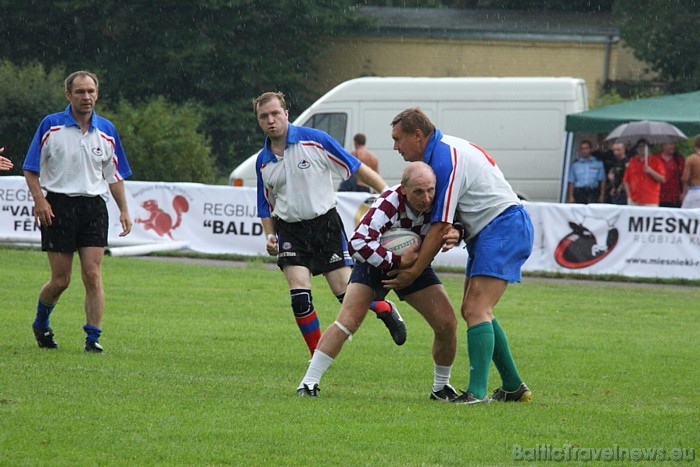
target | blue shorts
[
  {"x": 502, "y": 247},
  {"x": 365, "y": 273}
]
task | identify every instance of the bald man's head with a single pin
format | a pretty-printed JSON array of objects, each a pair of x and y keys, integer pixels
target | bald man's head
[{"x": 418, "y": 183}]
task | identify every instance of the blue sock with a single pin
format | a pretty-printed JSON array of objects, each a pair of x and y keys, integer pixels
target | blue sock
[
  {"x": 93, "y": 333},
  {"x": 42, "y": 315}
]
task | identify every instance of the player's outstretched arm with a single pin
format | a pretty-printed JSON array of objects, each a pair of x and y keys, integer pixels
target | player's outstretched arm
[{"x": 371, "y": 178}]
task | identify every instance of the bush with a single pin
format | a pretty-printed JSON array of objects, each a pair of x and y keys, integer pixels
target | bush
[
  {"x": 163, "y": 141},
  {"x": 27, "y": 94}
]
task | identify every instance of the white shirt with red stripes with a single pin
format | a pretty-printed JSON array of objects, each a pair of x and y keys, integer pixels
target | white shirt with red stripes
[{"x": 470, "y": 187}]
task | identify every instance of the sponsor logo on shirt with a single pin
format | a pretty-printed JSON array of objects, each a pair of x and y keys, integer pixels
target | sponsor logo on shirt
[
  {"x": 304, "y": 164},
  {"x": 98, "y": 151}
]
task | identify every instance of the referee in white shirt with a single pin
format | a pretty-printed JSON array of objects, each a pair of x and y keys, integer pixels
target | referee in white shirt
[{"x": 74, "y": 159}]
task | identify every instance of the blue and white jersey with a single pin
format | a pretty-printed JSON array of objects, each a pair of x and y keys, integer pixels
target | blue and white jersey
[
  {"x": 73, "y": 163},
  {"x": 299, "y": 185},
  {"x": 470, "y": 187}
]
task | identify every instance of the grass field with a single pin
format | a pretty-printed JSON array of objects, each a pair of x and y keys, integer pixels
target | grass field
[{"x": 202, "y": 362}]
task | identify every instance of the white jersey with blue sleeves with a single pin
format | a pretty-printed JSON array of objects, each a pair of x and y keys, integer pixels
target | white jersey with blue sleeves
[
  {"x": 73, "y": 163},
  {"x": 299, "y": 185},
  {"x": 470, "y": 187}
]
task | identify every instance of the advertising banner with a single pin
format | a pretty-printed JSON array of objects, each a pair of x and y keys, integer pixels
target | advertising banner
[
  {"x": 611, "y": 239},
  {"x": 569, "y": 238}
]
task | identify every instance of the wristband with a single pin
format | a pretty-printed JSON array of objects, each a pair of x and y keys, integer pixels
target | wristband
[{"x": 270, "y": 236}]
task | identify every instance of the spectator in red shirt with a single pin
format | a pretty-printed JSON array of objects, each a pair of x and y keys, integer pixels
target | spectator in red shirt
[
  {"x": 672, "y": 188},
  {"x": 643, "y": 177}
]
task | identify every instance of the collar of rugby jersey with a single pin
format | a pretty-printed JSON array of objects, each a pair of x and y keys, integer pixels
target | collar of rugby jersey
[
  {"x": 430, "y": 147},
  {"x": 70, "y": 119}
]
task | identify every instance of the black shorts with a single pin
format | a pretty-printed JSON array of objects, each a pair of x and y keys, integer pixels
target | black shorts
[
  {"x": 365, "y": 273},
  {"x": 80, "y": 221},
  {"x": 319, "y": 244},
  {"x": 586, "y": 195}
]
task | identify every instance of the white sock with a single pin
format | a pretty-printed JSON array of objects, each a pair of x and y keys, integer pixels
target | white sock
[
  {"x": 441, "y": 377},
  {"x": 317, "y": 367}
]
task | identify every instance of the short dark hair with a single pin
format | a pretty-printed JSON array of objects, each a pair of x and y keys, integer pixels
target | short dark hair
[
  {"x": 266, "y": 97},
  {"x": 75, "y": 74},
  {"x": 360, "y": 139}
]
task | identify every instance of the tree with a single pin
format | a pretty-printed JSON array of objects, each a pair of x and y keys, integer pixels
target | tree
[
  {"x": 219, "y": 53},
  {"x": 161, "y": 141},
  {"x": 27, "y": 95},
  {"x": 665, "y": 34}
]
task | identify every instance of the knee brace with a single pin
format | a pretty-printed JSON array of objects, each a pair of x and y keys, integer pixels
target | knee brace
[{"x": 302, "y": 304}]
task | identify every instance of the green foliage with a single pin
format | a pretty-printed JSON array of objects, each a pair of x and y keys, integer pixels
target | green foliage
[
  {"x": 201, "y": 366},
  {"x": 608, "y": 98},
  {"x": 27, "y": 95},
  {"x": 665, "y": 34},
  {"x": 218, "y": 53},
  {"x": 162, "y": 142},
  {"x": 614, "y": 96}
]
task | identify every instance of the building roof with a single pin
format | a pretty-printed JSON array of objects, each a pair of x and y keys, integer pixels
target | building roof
[{"x": 491, "y": 24}]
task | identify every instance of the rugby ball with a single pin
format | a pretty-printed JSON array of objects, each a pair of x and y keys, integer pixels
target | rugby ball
[{"x": 399, "y": 240}]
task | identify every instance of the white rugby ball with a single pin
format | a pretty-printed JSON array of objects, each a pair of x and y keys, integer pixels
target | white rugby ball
[{"x": 399, "y": 240}]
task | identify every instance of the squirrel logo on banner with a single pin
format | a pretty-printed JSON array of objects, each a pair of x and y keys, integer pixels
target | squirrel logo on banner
[{"x": 161, "y": 222}]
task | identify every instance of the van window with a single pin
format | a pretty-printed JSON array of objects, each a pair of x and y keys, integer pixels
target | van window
[{"x": 334, "y": 124}]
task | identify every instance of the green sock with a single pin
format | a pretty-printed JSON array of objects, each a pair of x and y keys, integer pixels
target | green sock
[
  {"x": 480, "y": 343},
  {"x": 503, "y": 359}
]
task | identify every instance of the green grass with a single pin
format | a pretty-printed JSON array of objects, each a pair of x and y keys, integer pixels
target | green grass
[{"x": 202, "y": 362}]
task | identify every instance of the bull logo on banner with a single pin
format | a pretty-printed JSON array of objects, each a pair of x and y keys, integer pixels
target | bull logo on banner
[{"x": 587, "y": 244}]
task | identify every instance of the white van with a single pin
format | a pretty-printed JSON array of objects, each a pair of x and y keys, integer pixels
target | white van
[{"x": 519, "y": 121}]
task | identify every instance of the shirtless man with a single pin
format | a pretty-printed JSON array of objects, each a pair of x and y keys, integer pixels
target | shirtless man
[
  {"x": 691, "y": 178},
  {"x": 366, "y": 157}
]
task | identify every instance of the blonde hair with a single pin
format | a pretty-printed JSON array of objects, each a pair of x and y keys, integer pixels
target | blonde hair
[{"x": 266, "y": 97}]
